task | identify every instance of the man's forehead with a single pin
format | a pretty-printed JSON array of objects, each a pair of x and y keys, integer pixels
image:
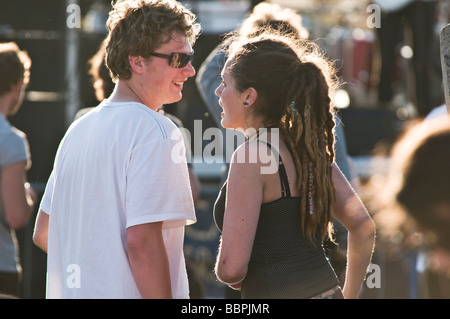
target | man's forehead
[{"x": 175, "y": 41}]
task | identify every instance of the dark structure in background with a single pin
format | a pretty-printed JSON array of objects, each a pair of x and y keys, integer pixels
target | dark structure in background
[{"x": 38, "y": 27}]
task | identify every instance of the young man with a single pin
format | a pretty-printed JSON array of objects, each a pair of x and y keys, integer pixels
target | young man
[
  {"x": 17, "y": 198},
  {"x": 113, "y": 214}
]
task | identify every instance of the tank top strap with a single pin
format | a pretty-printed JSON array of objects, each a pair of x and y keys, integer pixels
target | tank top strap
[{"x": 285, "y": 190}]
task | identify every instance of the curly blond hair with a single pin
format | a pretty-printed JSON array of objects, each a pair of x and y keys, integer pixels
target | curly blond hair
[{"x": 138, "y": 27}]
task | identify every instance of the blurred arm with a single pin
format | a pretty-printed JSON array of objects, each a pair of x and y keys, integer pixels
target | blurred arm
[
  {"x": 18, "y": 196},
  {"x": 352, "y": 214}
]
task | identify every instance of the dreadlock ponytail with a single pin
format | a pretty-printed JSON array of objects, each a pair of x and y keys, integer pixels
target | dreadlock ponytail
[{"x": 308, "y": 129}]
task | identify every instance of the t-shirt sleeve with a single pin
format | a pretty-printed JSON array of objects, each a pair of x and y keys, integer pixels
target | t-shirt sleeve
[
  {"x": 13, "y": 149},
  {"x": 157, "y": 187},
  {"x": 46, "y": 200}
]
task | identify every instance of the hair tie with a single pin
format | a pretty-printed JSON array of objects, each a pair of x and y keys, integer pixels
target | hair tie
[
  {"x": 310, "y": 189},
  {"x": 293, "y": 109}
]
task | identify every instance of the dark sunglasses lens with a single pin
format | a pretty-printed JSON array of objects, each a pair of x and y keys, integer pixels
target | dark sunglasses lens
[{"x": 180, "y": 60}]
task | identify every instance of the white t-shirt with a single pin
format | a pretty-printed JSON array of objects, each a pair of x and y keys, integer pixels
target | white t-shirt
[{"x": 121, "y": 164}]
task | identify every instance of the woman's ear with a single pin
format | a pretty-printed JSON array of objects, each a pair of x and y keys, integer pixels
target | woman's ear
[{"x": 249, "y": 96}]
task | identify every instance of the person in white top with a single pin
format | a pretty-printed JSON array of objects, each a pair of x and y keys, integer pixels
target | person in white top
[{"x": 113, "y": 213}]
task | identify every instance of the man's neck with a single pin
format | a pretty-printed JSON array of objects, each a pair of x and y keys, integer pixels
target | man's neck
[{"x": 5, "y": 104}]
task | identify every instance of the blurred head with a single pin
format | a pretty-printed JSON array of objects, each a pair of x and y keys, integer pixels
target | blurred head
[
  {"x": 14, "y": 73},
  {"x": 139, "y": 27},
  {"x": 423, "y": 162},
  {"x": 267, "y": 15},
  {"x": 288, "y": 85},
  {"x": 103, "y": 84}
]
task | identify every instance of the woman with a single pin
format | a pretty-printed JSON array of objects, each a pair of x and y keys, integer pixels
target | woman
[{"x": 274, "y": 222}]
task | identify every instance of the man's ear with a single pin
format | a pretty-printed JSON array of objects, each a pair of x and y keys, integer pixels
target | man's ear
[
  {"x": 250, "y": 95},
  {"x": 136, "y": 63}
]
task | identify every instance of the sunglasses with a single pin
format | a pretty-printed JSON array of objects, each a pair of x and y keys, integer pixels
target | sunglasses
[{"x": 176, "y": 60}]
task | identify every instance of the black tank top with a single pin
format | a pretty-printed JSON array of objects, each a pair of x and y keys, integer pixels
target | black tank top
[{"x": 284, "y": 264}]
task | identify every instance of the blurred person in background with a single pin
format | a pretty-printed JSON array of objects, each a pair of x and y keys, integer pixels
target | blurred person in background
[
  {"x": 403, "y": 22},
  {"x": 412, "y": 202},
  {"x": 17, "y": 198},
  {"x": 424, "y": 193}
]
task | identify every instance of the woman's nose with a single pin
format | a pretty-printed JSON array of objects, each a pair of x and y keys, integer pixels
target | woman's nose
[{"x": 218, "y": 91}]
